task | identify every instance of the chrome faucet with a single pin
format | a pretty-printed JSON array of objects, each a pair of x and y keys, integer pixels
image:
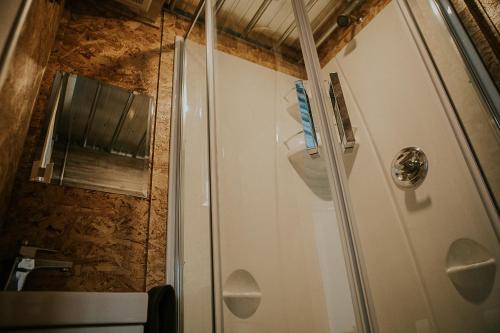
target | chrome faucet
[{"x": 26, "y": 262}]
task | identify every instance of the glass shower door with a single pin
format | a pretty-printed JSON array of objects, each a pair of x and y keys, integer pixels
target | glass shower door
[{"x": 278, "y": 255}]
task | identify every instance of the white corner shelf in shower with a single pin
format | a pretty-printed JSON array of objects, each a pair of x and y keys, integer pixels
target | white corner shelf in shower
[
  {"x": 241, "y": 294},
  {"x": 312, "y": 170},
  {"x": 471, "y": 269}
]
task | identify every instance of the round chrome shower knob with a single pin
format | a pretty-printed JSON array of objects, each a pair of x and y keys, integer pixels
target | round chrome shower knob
[{"x": 409, "y": 167}]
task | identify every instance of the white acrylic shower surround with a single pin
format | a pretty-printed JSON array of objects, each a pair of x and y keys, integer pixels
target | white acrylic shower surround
[
  {"x": 408, "y": 237},
  {"x": 284, "y": 255}
]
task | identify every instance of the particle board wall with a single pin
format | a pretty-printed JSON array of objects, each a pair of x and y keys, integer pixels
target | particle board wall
[
  {"x": 105, "y": 235},
  {"x": 20, "y": 89}
]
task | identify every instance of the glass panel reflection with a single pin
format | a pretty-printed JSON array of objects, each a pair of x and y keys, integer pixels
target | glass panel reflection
[{"x": 97, "y": 136}]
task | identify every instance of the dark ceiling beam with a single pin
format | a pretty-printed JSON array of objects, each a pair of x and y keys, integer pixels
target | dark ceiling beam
[{"x": 258, "y": 14}]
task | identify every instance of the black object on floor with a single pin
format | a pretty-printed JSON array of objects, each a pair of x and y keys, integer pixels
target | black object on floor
[{"x": 161, "y": 310}]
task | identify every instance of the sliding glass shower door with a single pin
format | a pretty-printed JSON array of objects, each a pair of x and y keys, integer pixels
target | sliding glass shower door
[{"x": 278, "y": 259}]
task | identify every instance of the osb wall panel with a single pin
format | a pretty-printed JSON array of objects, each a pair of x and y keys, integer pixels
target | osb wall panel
[
  {"x": 481, "y": 19},
  {"x": 105, "y": 235},
  {"x": 19, "y": 92}
]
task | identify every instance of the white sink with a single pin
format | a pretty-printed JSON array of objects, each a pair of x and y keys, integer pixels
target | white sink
[{"x": 52, "y": 308}]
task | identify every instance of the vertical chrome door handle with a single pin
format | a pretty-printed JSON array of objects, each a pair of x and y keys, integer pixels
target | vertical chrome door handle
[
  {"x": 306, "y": 119},
  {"x": 341, "y": 114}
]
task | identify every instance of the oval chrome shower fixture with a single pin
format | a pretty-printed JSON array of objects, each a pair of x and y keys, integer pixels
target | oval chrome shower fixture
[{"x": 409, "y": 168}]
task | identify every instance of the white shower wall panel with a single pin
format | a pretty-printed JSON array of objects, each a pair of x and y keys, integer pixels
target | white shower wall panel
[
  {"x": 405, "y": 236},
  {"x": 271, "y": 223}
]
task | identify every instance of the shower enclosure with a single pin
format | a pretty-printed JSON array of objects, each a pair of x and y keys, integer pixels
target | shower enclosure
[{"x": 332, "y": 184}]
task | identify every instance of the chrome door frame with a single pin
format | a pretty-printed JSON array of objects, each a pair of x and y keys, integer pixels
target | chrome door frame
[
  {"x": 472, "y": 59},
  {"x": 210, "y": 37},
  {"x": 175, "y": 240},
  {"x": 333, "y": 151}
]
